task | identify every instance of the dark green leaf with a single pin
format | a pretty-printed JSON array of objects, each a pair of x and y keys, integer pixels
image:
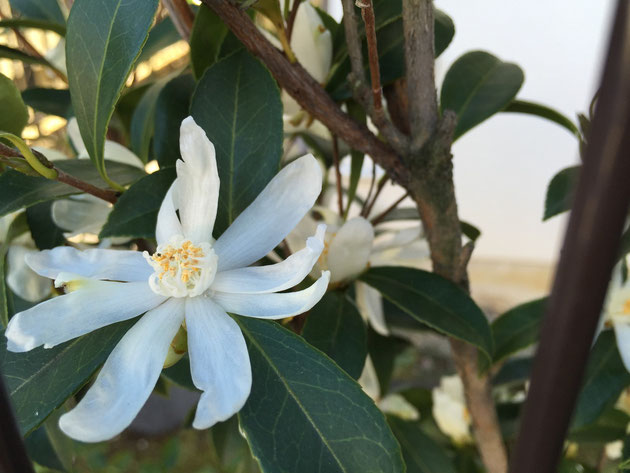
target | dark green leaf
[
  {"x": 560, "y": 191},
  {"x": 206, "y": 39},
  {"x": 232, "y": 449},
  {"x": 610, "y": 426},
  {"x": 518, "y": 328},
  {"x": 238, "y": 105},
  {"x": 434, "y": 301},
  {"x": 34, "y": 23},
  {"x": 477, "y": 86},
  {"x": 41, "y": 450},
  {"x": 605, "y": 378},
  {"x": 44, "y": 231},
  {"x": 305, "y": 414},
  {"x": 516, "y": 370},
  {"x": 14, "y": 113},
  {"x": 135, "y": 213},
  {"x": 40, "y": 380},
  {"x": 421, "y": 453},
  {"x": 172, "y": 107},
  {"x": 335, "y": 327},
  {"x": 383, "y": 352},
  {"x": 161, "y": 35},
  {"x": 127, "y": 104},
  {"x": 4, "y": 292},
  {"x": 50, "y": 101},
  {"x": 179, "y": 374},
  {"x": 18, "y": 190},
  {"x": 542, "y": 111},
  {"x": 470, "y": 231},
  {"x": 17, "y": 55},
  {"x": 143, "y": 121},
  {"x": 39, "y": 9},
  {"x": 102, "y": 44}
]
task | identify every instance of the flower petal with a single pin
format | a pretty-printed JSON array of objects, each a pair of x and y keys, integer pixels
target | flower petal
[
  {"x": 219, "y": 362},
  {"x": 168, "y": 223},
  {"x": 349, "y": 250},
  {"x": 273, "y": 306},
  {"x": 274, "y": 213},
  {"x": 22, "y": 280},
  {"x": 273, "y": 277},
  {"x": 127, "y": 378},
  {"x": 370, "y": 305},
  {"x": 116, "y": 152},
  {"x": 622, "y": 334},
  {"x": 92, "y": 306},
  {"x": 95, "y": 263},
  {"x": 197, "y": 192},
  {"x": 81, "y": 214},
  {"x": 313, "y": 45}
]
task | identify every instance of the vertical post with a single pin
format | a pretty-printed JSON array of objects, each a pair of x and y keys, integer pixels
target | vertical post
[
  {"x": 13, "y": 457},
  {"x": 589, "y": 253}
]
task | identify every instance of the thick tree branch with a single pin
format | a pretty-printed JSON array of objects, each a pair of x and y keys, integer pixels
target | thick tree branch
[
  {"x": 182, "y": 16},
  {"x": 293, "y": 78}
]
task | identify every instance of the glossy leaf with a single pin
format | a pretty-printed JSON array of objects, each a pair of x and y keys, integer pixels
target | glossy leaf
[
  {"x": 421, "y": 453},
  {"x": 18, "y": 190},
  {"x": 39, "y": 10},
  {"x": 335, "y": 327},
  {"x": 50, "y": 101},
  {"x": 518, "y": 328},
  {"x": 434, "y": 301},
  {"x": 383, "y": 352},
  {"x": 477, "y": 86},
  {"x": 46, "y": 25},
  {"x": 44, "y": 230},
  {"x": 561, "y": 191},
  {"x": 15, "y": 54},
  {"x": 14, "y": 114},
  {"x": 238, "y": 105},
  {"x": 605, "y": 378},
  {"x": 161, "y": 36},
  {"x": 41, "y": 451},
  {"x": 305, "y": 414},
  {"x": 514, "y": 370},
  {"x": 40, "y": 380},
  {"x": 206, "y": 38},
  {"x": 179, "y": 374},
  {"x": 143, "y": 121},
  {"x": 470, "y": 231},
  {"x": 542, "y": 111},
  {"x": 173, "y": 105},
  {"x": 135, "y": 213},
  {"x": 102, "y": 44},
  {"x": 610, "y": 426}
]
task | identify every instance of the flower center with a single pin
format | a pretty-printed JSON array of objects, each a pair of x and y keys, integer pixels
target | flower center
[{"x": 182, "y": 269}]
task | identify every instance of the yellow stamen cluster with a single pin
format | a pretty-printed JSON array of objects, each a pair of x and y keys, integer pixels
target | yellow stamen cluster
[
  {"x": 183, "y": 259},
  {"x": 626, "y": 307}
]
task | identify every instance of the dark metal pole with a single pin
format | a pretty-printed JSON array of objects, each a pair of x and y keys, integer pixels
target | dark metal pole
[
  {"x": 13, "y": 457},
  {"x": 586, "y": 262}
]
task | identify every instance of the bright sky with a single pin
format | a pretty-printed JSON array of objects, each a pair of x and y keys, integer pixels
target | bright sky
[{"x": 503, "y": 166}]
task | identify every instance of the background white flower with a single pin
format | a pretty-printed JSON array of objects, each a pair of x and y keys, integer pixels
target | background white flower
[
  {"x": 191, "y": 279},
  {"x": 617, "y": 313},
  {"x": 450, "y": 411}
]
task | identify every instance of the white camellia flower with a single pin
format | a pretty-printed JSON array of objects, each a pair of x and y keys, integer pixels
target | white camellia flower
[
  {"x": 616, "y": 313},
  {"x": 450, "y": 411},
  {"x": 191, "y": 280}
]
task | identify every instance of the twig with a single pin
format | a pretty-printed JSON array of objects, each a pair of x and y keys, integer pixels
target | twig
[
  {"x": 379, "y": 189},
  {"x": 353, "y": 40},
  {"x": 182, "y": 16},
  {"x": 335, "y": 150},
  {"x": 369, "y": 194},
  {"x": 367, "y": 13},
  {"x": 291, "y": 19},
  {"x": 379, "y": 218}
]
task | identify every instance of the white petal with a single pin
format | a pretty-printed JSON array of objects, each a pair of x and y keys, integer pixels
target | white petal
[
  {"x": 197, "y": 192},
  {"x": 115, "y": 265},
  {"x": 72, "y": 128},
  {"x": 274, "y": 213},
  {"x": 369, "y": 380},
  {"x": 370, "y": 305},
  {"x": 296, "y": 239},
  {"x": 168, "y": 223},
  {"x": 312, "y": 46},
  {"x": 622, "y": 333},
  {"x": 273, "y": 306},
  {"x": 273, "y": 277},
  {"x": 118, "y": 153},
  {"x": 22, "y": 280},
  {"x": 92, "y": 306},
  {"x": 397, "y": 238},
  {"x": 127, "y": 378},
  {"x": 349, "y": 250},
  {"x": 219, "y": 362},
  {"x": 81, "y": 214}
]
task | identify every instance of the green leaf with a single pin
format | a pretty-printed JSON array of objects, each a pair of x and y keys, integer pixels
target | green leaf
[
  {"x": 18, "y": 190},
  {"x": 143, "y": 120},
  {"x": 561, "y": 191},
  {"x": 40, "y": 380},
  {"x": 161, "y": 36},
  {"x": 102, "y": 44},
  {"x": 421, "y": 453},
  {"x": 17, "y": 55},
  {"x": 135, "y": 213},
  {"x": 383, "y": 352},
  {"x": 515, "y": 370},
  {"x": 434, "y": 301},
  {"x": 50, "y": 101},
  {"x": 4, "y": 292},
  {"x": 610, "y": 426},
  {"x": 477, "y": 86},
  {"x": 39, "y": 10},
  {"x": 542, "y": 111},
  {"x": 179, "y": 374},
  {"x": 34, "y": 23},
  {"x": 238, "y": 105},
  {"x": 335, "y": 327},
  {"x": 470, "y": 231},
  {"x": 206, "y": 38},
  {"x": 44, "y": 230},
  {"x": 305, "y": 414},
  {"x": 14, "y": 114},
  {"x": 518, "y": 328},
  {"x": 41, "y": 451},
  {"x": 173, "y": 105},
  {"x": 605, "y": 378}
]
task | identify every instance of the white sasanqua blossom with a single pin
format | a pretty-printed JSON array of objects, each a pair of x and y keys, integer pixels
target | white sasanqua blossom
[
  {"x": 450, "y": 411},
  {"x": 191, "y": 281},
  {"x": 22, "y": 280},
  {"x": 616, "y": 313}
]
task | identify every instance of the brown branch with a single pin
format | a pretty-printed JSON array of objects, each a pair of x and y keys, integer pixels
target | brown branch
[
  {"x": 379, "y": 189},
  {"x": 419, "y": 62},
  {"x": 291, "y": 19},
  {"x": 369, "y": 194},
  {"x": 367, "y": 13},
  {"x": 182, "y": 16},
  {"x": 353, "y": 40},
  {"x": 307, "y": 92},
  {"x": 335, "y": 149}
]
